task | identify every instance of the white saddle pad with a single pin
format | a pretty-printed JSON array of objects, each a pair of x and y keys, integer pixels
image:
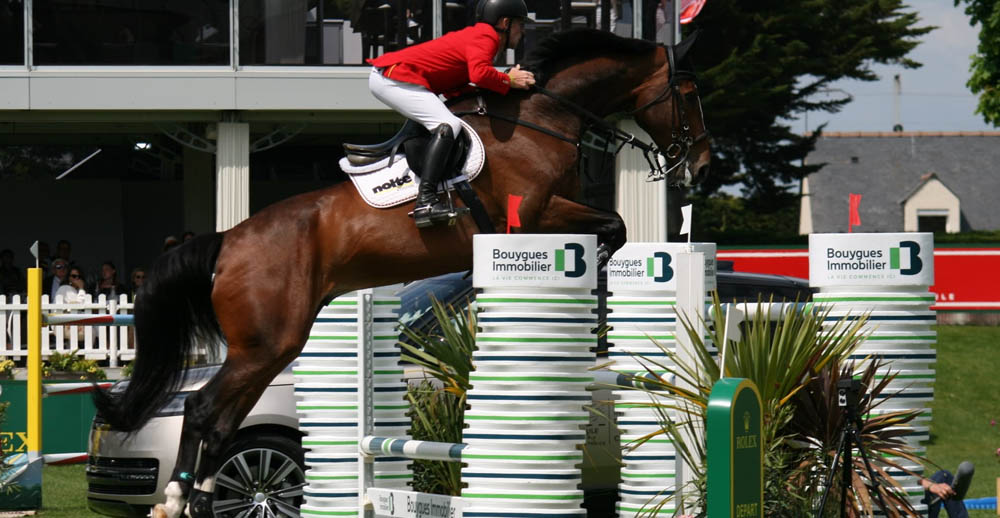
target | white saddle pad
[{"x": 382, "y": 185}]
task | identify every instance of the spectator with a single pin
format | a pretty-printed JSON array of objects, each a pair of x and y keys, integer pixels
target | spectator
[
  {"x": 58, "y": 276},
  {"x": 108, "y": 284},
  {"x": 943, "y": 490},
  {"x": 169, "y": 243},
  {"x": 137, "y": 278},
  {"x": 44, "y": 256},
  {"x": 11, "y": 279},
  {"x": 63, "y": 251},
  {"x": 187, "y": 236},
  {"x": 73, "y": 292}
]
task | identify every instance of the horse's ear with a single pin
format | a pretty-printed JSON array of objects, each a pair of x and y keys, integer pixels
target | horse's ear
[{"x": 681, "y": 49}]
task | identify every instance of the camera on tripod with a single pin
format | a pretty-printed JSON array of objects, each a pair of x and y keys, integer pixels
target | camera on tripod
[{"x": 848, "y": 393}]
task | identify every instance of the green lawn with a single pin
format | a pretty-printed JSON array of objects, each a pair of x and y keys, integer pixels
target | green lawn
[
  {"x": 64, "y": 492},
  {"x": 966, "y": 399}
]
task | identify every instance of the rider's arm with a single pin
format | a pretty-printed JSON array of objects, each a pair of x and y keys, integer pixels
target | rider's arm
[{"x": 479, "y": 52}]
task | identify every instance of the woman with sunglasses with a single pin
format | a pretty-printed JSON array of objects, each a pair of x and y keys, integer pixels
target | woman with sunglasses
[{"x": 74, "y": 291}]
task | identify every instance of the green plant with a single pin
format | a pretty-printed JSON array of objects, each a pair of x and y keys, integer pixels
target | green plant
[
  {"x": 7, "y": 369},
  {"x": 438, "y": 410},
  {"x": 72, "y": 364},
  {"x": 127, "y": 369},
  {"x": 792, "y": 362}
]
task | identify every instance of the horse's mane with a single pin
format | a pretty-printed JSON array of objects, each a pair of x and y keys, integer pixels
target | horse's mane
[{"x": 545, "y": 59}]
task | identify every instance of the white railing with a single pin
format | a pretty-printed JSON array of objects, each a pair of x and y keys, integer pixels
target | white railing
[{"x": 113, "y": 343}]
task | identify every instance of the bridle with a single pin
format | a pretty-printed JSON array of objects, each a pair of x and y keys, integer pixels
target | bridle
[{"x": 662, "y": 161}]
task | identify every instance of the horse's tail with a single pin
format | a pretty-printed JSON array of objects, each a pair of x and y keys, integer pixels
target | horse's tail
[{"x": 173, "y": 313}]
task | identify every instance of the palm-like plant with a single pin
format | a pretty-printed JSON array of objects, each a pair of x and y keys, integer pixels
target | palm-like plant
[
  {"x": 783, "y": 359},
  {"x": 438, "y": 411},
  {"x": 820, "y": 421}
]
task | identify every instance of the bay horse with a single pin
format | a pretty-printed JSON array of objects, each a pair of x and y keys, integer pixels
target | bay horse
[{"x": 260, "y": 285}]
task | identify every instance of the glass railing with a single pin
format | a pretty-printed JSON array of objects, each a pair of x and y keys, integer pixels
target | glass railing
[{"x": 273, "y": 32}]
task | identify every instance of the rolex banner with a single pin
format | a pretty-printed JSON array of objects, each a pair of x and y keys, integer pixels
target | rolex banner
[{"x": 898, "y": 259}]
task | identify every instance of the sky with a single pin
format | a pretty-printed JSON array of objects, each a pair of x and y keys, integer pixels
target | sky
[{"x": 934, "y": 97}]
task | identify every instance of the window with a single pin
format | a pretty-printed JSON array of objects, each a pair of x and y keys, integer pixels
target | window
[
  {"x": 89, "y": 32},
  {"x": 932, "y": 223},
  {"x": 11, "y": 32}
]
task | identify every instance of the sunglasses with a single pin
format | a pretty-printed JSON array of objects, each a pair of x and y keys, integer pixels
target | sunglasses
[
  {"x": 60, "y": 267},
  {"x": 74, "y": 276}
]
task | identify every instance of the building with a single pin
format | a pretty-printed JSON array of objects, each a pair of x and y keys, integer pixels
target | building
[
  {"x": 189, "y": 116},
  {"x": 909, "y": 182}
]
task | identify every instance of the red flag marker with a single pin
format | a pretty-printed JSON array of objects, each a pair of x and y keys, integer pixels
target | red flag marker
[
  {"x": 513, "y": 205},
  {"x": 690, "y": 9},
  {"x": 855, "y": 218}
]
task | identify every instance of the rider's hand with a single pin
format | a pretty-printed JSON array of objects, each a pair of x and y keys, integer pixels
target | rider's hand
[{"x": 521, "y": 79}]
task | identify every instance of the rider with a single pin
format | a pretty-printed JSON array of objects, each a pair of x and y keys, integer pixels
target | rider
[{"x": 409, "y": 81}]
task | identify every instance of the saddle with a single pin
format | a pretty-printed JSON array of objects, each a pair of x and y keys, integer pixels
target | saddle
[{"x": 413, "y": 138}]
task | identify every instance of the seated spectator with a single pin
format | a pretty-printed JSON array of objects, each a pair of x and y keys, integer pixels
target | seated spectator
[
  {"x": 63, "y": 251},
  {"x": 108, "y": 284},
  {"x": 136, "y": 279},
  {"x": 44, "y": 256},
  {"x": 169, "y": 243},
  {"x": 58, "y": 276},
  {"x": 11, "y": 278},
  {"x": 73, "y": 292}
]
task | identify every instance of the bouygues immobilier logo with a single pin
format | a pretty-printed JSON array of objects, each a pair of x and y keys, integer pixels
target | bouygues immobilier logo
[
  {"x": 653, "y": 266},
  {"x": 535, "y": 260},
  {"x": 895, "y": 259}
]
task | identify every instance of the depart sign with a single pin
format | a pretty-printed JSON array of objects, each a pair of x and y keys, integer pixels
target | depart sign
[
  {"x": 535, "y": 260},
  {"x": 735, "y": 451},
  {"x": 889, "y": 259},
  {"x": 652, "y": 266}
]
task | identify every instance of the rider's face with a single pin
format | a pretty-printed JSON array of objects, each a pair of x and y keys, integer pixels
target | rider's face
[{"x": 516, "y": 33}]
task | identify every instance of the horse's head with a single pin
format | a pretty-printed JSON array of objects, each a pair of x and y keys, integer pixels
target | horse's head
[{"x": 667, "y": 106}]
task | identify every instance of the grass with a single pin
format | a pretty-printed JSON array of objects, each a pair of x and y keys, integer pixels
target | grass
[
  {"x": 965, "y": 400},
  {"x": 64, "y": 492}
]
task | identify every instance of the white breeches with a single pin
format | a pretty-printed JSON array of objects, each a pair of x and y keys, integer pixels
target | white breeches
[{"x": 413, "y": 102}]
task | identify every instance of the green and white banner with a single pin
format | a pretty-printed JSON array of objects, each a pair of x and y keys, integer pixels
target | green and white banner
[
  {"x": 898, "y": 259},
  {"x": 651, "y": 266},
  {"x": 535, "y": 260}
]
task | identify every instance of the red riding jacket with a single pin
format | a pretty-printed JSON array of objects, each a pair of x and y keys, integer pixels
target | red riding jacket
[{"x": 447, "y": 65}]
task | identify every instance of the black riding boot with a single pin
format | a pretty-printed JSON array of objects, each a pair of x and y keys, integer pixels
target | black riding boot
[{"x": 429, "y": 209}]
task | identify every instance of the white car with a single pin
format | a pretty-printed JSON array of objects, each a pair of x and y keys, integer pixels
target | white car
[{"x": 263, "y": 470}]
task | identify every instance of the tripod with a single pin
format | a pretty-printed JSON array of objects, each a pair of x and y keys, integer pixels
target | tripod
[{"x": 848, "y": 391}]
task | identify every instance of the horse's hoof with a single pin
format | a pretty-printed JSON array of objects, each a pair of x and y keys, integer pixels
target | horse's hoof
[{"x": 159, "y": 511}]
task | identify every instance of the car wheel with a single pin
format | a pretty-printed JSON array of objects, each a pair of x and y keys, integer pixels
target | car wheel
[{"x": 260, "y": 477}]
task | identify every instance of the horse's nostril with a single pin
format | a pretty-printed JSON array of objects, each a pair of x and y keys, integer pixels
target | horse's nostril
[{"x": 702, "y": 173}]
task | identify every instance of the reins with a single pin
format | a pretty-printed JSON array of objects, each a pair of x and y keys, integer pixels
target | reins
[{"x": 677, "y": 151}]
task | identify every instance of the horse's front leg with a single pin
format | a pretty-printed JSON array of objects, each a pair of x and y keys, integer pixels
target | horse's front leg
[{"x": 563, "y": 215}]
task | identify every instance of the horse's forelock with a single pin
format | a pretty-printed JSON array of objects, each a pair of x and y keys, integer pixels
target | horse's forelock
[{"x": 544, "y": 60}]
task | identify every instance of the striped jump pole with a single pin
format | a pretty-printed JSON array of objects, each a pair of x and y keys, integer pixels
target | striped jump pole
[
  {"x": 887, "y": 276},
  {"x": 58, "y": 319},
  {"x": 643, "y": 303}
]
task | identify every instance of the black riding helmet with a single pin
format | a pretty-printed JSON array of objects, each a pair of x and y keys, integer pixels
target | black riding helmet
[{"x": 491, "y": 11}]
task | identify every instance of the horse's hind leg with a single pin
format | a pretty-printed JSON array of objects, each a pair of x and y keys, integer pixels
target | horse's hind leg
[
  {"x": 563, "y": 215},
  {"x": 195, "y": 466}
]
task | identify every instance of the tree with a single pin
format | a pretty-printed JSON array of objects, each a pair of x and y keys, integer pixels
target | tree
[
  {"x": 760, "y": 65},
  {"x": 985, "y": 66}
]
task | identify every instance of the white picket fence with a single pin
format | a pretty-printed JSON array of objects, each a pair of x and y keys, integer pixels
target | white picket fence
[{"x": 113, "y": 343}]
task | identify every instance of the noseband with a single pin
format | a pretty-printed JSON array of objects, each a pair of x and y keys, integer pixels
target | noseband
[{"x": 681, "y": 141}]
